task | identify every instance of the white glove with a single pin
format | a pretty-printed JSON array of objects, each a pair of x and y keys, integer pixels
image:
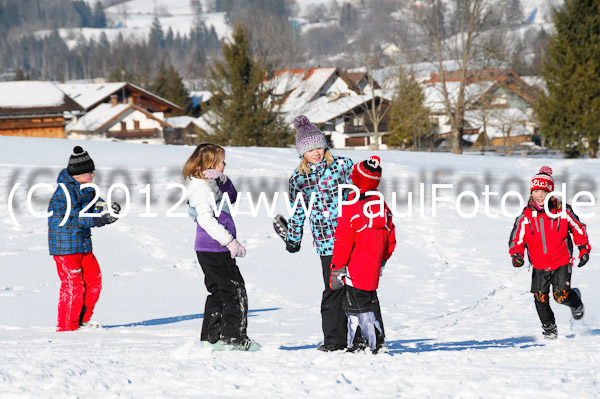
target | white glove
[
  {"x": 215, "y": 174},
  {"x": 236, "y": 249}
]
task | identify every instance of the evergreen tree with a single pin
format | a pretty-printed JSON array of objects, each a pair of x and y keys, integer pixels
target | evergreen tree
[
  {"x": 157, "y": 37},
  {"x": 348, "y": 17},
  {"x": 169, "y": 85},
  {"x": 99, "y": 16},
  {"x": 240, "y": 112},
  {"x": 569, "y": 114},
  {"x": 85, "y": 13},
  {"x": 409, "y": 118}
]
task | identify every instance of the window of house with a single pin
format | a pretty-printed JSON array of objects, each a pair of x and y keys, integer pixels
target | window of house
[
  {"x": 123, "y": 125},
  {"x": 136, "y": 125}
]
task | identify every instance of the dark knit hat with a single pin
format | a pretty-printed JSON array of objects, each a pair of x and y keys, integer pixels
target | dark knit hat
[
  {"x": 543, "y": 180},
  {"x": 80, "y": 162},
  {"x": 308, "y": 136},
  {"x": 367, "y": 174}
]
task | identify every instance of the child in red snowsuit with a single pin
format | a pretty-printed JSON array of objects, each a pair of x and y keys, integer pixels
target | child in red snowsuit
[
  {"x": 70, "y": 243},
  {"x": 550, "y": 250},
  {"x": 364, "y": 240}
]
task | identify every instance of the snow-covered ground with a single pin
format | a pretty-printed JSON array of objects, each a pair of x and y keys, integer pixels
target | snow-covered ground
[{"x": 460, "y": 320}]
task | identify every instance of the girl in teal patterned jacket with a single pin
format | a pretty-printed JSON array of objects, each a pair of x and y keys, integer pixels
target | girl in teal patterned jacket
[{"x": 319, "y": 175}]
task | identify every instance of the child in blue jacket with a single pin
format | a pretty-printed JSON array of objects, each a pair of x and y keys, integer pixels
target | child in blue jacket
[{"x": 71, "y": 243}]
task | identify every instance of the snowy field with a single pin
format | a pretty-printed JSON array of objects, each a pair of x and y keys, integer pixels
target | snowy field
[{"x": 460, "y": 320}]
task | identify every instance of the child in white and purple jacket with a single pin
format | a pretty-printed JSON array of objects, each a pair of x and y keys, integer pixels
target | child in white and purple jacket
[{"x": 226, "y": 308}]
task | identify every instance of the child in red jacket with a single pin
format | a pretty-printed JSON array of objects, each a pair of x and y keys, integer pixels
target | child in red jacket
[
  {"x": 550, "y": 250},
  {"x": 364, "y": 240}
]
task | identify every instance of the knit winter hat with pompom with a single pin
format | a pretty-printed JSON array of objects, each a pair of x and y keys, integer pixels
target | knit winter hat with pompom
[
  {"x": 308, "y": 136},
  {"x": 543, "y": 180},
  {"x": 367, "y": 174},
  {"x": 80, "y": 162}
]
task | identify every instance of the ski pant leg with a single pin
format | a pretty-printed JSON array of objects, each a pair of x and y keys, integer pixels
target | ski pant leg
[
  {"x": 70, "y": 301},
  {"x": 369, "y": 326},
  {"x": 540, "y": 288},
  {"x": 227, "y": 301},
  {"x": 561, "y": 285},
  {"x": 377, "y": 312},
  {"x": 333, "y": 317},
  {"x": 213, "y": 311},
  {"x": 360, "y": 307},
  {"x": 92, "y": 284},
  {"x": 542, "y": 305}
]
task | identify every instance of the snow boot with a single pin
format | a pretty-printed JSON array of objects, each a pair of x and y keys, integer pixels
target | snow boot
[
  {"x": 90, "y": 324},
  {"x": 550, "y": 331},
  {"x": 579, "y": 311},
  {"x": 331, "y": 347},
  {"x": 246, "y": 346}
]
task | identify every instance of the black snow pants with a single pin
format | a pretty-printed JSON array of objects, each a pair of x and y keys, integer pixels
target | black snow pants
[
  {"x": 560, "y": 280},
  {"x": 226, "y": 308},
  {"x": 333, "y": 317}
]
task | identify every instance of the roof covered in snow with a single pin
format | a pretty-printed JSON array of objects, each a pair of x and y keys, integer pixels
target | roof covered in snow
[
  {"x": 89, "y": 95},
  {"x": 181, "y": 121},
  {"x": 30, "y": 97},
  {"x": 99, "y": 117}
]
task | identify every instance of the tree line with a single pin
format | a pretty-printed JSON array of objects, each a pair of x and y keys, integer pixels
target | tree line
[{"x": 567, "y": 112}]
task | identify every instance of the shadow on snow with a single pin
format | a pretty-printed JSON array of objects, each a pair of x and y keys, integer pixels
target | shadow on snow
[
  {"x": 177, "y": 319},
  {"x": 429, "y": 345}
]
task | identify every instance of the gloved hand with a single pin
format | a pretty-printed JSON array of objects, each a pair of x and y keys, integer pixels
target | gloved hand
[
  {"x": 116, "y": 208},
  {"x": 104, "y": 219},
  {"x": 215, "y": 174},
  {"x": 292, "y": 247},
  {"x": 236, "y": 249},
  {"x": 192, "y": 212},
  {"x": 336, "y": 279},
  {"x": 517, "y": 260},
  {"x": 584, "y": 255}
]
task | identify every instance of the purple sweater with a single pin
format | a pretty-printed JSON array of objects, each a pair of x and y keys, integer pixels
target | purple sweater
[{"x": 204, "y": 242}]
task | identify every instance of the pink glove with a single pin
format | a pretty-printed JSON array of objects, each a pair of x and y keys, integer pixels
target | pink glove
[
  {"x": 215, "y": 174},
  {"x": 236, "y": 249}
]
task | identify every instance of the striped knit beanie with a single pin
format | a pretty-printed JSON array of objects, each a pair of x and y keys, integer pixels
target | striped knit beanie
[
  {"x": 543, "y": 180},
  {"x": 80, "y": 162},
  {"x": 308, "y": 136}
]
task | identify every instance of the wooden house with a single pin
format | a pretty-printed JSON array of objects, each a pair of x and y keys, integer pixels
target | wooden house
[
  {"x": 34, "y": 109},
  {"x": 119, "y": 122}
]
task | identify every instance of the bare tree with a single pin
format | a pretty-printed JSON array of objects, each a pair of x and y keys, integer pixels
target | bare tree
[
  {"x": 375, "y": 105},
  {"x": 474, "y": 38}
]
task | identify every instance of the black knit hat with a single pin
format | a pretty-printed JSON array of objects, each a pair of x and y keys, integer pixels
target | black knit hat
[{"x": 80, "y": 162}]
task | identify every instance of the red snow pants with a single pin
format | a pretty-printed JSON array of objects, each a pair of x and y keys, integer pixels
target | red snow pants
[{"x": 80, "y": 285}]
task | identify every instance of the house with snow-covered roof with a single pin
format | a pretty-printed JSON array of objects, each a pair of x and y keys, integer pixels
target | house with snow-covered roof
[
  {"x": 333, "y": 99},
  {"x": 90, "y": 95},
  {"x": 186, "y": 130},
  {"x": 118, "y": 121},
  {"x": 499, "y": 107},
  {"x": 34, "y": 109}
]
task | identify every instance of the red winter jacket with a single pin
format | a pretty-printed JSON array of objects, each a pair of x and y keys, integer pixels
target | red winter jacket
[
  {"x": 362, "y": 244},
  {"x": 547, "y": 240}
]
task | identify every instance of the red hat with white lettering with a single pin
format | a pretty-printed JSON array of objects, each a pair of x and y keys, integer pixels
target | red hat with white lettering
[{"x": 543, "y": 180}]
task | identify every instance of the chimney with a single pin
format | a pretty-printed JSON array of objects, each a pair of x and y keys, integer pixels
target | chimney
[{"x": 114, "y": 100}]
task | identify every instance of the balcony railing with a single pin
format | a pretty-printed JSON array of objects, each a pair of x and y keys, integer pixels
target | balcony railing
[
  {"x": 382, "y": 127},
  {"x": 134, "y": 134}
]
